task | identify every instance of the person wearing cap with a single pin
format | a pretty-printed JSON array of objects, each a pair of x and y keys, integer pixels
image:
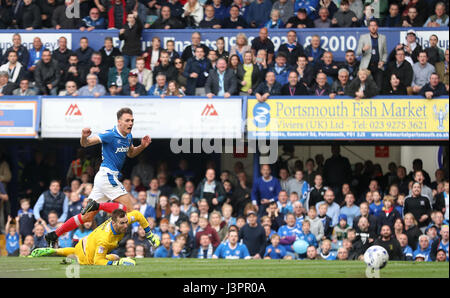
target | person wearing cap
[
  {"x": 133, "y": 88},
  {"x": 92, "y": 88},
  {"x": 300, "y": 20},
  {"x": 253, "y": 235},
  {"x": 340, "y": 231},
  {"x": 423, "y": 250},
  {"x": 390, "y": 243},
  {"x": 112, "y": 89}
]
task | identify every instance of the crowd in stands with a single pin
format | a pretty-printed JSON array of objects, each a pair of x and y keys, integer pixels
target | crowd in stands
[
  {"x": 248, "y": 68},
  {"x": 338, "y": 209}
]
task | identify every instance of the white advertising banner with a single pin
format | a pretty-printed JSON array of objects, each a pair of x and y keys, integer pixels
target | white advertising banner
[{"x": 159, "y": 118}]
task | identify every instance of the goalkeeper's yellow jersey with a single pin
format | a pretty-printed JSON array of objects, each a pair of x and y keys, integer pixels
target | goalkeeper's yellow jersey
[{"x": 93, "y": 249}]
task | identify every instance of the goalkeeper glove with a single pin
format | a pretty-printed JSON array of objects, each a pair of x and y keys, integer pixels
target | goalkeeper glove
[
  {"x": 153, "y": 239},
  {"x": 124, "y": 262}
]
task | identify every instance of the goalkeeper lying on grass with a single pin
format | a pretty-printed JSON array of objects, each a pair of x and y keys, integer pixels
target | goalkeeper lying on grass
[{"x": 93, "y": 249}]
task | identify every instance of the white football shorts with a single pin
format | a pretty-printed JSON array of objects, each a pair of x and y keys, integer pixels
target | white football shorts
[{"x": 107, "y": 186}]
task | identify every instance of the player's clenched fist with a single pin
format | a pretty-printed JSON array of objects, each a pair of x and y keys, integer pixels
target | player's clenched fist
[
  {"x": 86, "y": 132},
  {"x": 145, "y": 141}
]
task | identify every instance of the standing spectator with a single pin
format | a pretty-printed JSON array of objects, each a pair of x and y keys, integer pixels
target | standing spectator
[
  {"x": 368, "y": 15},
  {"x": 189, "y": 51},
  {"x": 47, "y": 8},
  {"x": 84, "y": 52},
  {"x": 93, "y": 88},
  {"x": 97, "y": 67},
  {"x": 389, "y": 214},
  {"x": 439, "y": 19},
  {"x": 221, "y": 82},
  {"x": 93, "y": 21},
  {"x": 35, "y": 55},
  {"x": 300, "y": 20},
  {"x": 165, "y": 67},
  {"x": 253, "y": 236},
  {"x": 265, "y": 189},
  {"x": 286, "y": 9},
  {"x": 292, "y": 48},
  {"x": 442, "y": 199},
  {"x": 350, "y": 209},
  {"x": 29, "y": 17},
  {"x": 276, "y": 217},
  {"x": 364, "y": 209},
  {"x": 435, "y": 54},
  {"x": 337, "y": 169},
  {"x": 317, "y": 192},
  {"x": 240, "y": 48},
  {"x": 373, "y": 49},
  {"x": 196, "y": 71},
  {"x": 422, "y": 72},
  {"x": 62, "y": 53},
  {"x": 258, "y": 13},
  {"x": 193, "y": 13},
  {"x": 52, "y": 199},
  {"x": 294, "y": 87},
  {"x": 47, "y": 74},
  {"x": 281, "y": 69},
  {"x": 117, "y": 11},
  {"x": 262, "y": 42},
  {"x": 389, "y": 243},
  {"x": 394, "y": 17},
  {"x": 21, "y": 50},
  {"x": 211, "y": 190},
  {"x": 316, "y": 224},
  {"x": 364, "y": 86},
  {"x": 351, "y": 64},
  {"x": 344, "y": 17},
  {"x": 419, "y": 206},
  {"x": 131, "y": 34},
  {"x": 61, "y": 20},
  {"x": 441, "y": 244},
  {"x": 109, "y": 52},
  {"x": 419, "y": 176},
  {"x": 298, "y": 185},
  {"x": 248, "y": 75},
  {"x": 328, "y": 67},
  {"x": 26, "y": 218},
  {"x": 333, "y": 208},
  {"x": 12, "y": 237},
  {"x": 305, "y": 71},
  {"x": 434, "y": 88}
]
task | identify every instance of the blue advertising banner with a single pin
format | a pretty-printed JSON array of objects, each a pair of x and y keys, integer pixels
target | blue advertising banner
[
  {"x": 19, "y": 118},
  {"x": 337, "y": 40}
]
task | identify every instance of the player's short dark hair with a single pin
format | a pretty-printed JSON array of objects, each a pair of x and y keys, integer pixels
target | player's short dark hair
[
  {"x": 124, "y": 111},
  {"x": 118, "y": 213}
]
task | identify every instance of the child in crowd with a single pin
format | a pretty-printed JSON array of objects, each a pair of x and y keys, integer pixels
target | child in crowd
[
  {"x": 340, "y": 232},
  {"x": 12, "y": 238},
  {"x": 377, "y": 206},
  {"x": 26, "y": 218},
  {"x": 275, "y": 251}
]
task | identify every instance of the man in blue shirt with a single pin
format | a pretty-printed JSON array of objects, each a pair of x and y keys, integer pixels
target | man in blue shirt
[
  {"x": 231, "y": 249},
  {"x": 164, "y": 249},
  {"x": 117, "y": 145},
  {"x": 265, "y": 190},
  {"x": 259, "y": 13},
  {"x": 423, "y": 250}
]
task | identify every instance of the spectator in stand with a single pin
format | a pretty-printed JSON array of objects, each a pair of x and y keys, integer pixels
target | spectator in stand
[
  {"x": 338, "y": 87},
  {"x": 323, "y": 21},
  {"x": 389, "y": 214},
  {"x": 248, "y": 75},
  {"x": 196, "y": 71},
  {"x": 29, "y": 16},
  {"x": 406, "y": 249},
  {"x": 109, "y": 52},
  {"x": 443, "y": 70},
  {"x": 12, "y": 241},
  {"x": 314, "y": 51},
  {"x": 193, "y": 13},
  {"x": 52, "y": 199},
  {"x": 412, "y": 230},
  {"x": 401, "y": 68},
  {"x": 390, "y": 243},
  {"x": 131, "y": 34},
  {"x": 205, "y": 250},
  {"x": 276, "y": 217},
  {"x": 210, "y": 21},
  {"x": 74, "y": 71},
  {"x": 441, "y": 244},
  {"x": 163, "y": 250},
  {"x": 280, "y": 68},
  {"x": 118, "y": 73},
  {"x": 235, "y": 21},
  {"x": 412, "y": 18},
  {"x": 211, "y": 190},
  {"x": 166, "y": 20},
  {"x": 275, "y": 251},
  {"x": 35, "y": 55},
  {"x": 145, "y": 76},
  {"x": 275, "y": 22},
  {"x": 268, "y": 88},
  {"x": 300, "y": 20},
  {"x": 62, "y": 53},
  {"x": 419, "y": 206},
  {"x": 70, "y": 89},
  {"x": 439, "y": 19},
  {"x": 292, "y": 48},
  {"x": 47, "y": 8},
  {"x": 253, "y": 236},
  {"x": 368, "y": 15},
  {"x": 423, "y": 250},
  {"x": 258, "y": 13},
  {"x": 21, "y": 50},
  {"x": 133, "y": 88},
  {"x": 165, "y": 67},
  {"x": 206, "y": 229},
  {"x": 117, "y": 11},
  {"x": 395, "y": 86},
  {"x": 232, "y": 249},
  {"x": 14, "y": 68},
  {"x": 97, "y": 67},
  {"x": 47, "y": 74},
  {"x": 328, "y": 67},
  {"x": 189, "y": 51},
  {"x": 333, "y": 208},
  {"x": 441, "y": 200},
  {"x": 394, "y": 17},
  {"x": 262, "y": 42},
  {"x": 317, "y": 192},
  {"x": 61, "y": 20},
  {"x": 304, "y": 70},
  {"x": 419, "y": 176},
  {"x": 422, "y": 72},
  {"x": 221, "y": 82},
  {"x": 221, "y": 9},
  {"x": 93, "y": 21},
  {"x": 364, "y": 86},
  {"x": 435, "y": 54},
  {"x": 176, "y": 216},
  {"x": 350, "y": 209},
  {"x": 286, "y": 9},
  {"x": 344, "y": 17},
  {"x": 294, "y": 87},
  {"x": 434, "y": 88},
  {"x": 84, "y": 52},
  {"x": 93, "y": 88},
  {"x": 24, "y": 89},
  {"x": 160, "y": 87}
]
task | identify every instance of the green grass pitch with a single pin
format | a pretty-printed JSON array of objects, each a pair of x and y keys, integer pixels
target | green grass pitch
[{"x": 189, "y": 268}]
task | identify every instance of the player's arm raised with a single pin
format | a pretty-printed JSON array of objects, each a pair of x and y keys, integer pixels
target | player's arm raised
[
  {"x": 87, "y": 141},
  {"x": 135, "y": 151}
]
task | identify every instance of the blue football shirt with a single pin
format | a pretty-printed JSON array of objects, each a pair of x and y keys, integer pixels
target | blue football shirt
[
  {"x": 224, "y": 251},
  {"x": 114, "y": 148}
]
